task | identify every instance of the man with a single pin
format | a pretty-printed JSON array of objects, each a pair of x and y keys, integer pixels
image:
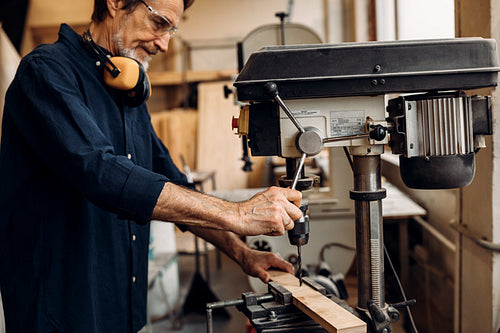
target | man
[{"x": 82, "y": 173}]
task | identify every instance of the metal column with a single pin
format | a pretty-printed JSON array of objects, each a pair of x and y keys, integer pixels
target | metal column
[{"x": 368, "y": 195}]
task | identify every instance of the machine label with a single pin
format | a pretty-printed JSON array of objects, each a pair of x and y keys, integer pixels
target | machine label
[
  {"x": 306, "y": 113},
  {"x": 343, "y": 123}
]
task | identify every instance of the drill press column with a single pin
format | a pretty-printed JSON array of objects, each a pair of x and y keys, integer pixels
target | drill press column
[{"x": 368, "y": 196}]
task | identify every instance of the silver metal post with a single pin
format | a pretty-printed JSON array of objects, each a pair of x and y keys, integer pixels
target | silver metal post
[
  {"x": 296, "y": 176},
  {"x": 367, "y": 194},
  {"x": 210, "y": 322},
  {"x": 289, "y": 113}
]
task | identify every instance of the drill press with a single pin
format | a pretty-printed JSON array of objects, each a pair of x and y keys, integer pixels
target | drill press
[{"x": 303, "y": 98}]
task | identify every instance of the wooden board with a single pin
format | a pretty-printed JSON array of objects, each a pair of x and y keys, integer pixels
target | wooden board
[
  {"x": 321, "y": 309},
  {"x": 219, "y": 149},
  {"x": 178, "y": 130}
]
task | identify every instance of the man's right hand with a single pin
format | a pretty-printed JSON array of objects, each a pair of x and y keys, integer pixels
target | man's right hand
[{"x": 271, "y": 212}]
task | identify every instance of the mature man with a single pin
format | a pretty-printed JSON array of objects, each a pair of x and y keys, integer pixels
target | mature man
[{"x": 82, "y": 173}]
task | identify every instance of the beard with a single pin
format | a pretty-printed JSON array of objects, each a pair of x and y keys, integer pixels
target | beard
[{"x": 130, "y": 52}]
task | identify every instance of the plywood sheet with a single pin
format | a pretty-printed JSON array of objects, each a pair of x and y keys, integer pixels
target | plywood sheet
[
  {"x": 219, "y": 149},
  {"x": 320, "y": 308},
  {"x": 178, "y": 130}
]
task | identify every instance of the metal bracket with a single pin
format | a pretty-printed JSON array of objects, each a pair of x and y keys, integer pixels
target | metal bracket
[{"x": 315, "y": 285}]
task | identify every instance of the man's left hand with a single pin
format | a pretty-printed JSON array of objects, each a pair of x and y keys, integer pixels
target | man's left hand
[{"x": 256, "y": 263}]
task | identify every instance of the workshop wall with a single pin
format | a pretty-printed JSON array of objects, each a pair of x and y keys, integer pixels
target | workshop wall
[
  {"x": 212, "y": 28},
  {"x": 49, "y": 14},
  {"x": 478, "y": 289}
]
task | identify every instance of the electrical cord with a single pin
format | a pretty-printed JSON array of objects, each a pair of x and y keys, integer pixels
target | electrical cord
[
  {"x": 414, "y": 327},
  {"x": 348, "y": 157},
  {"x": 328, "y": 245}
]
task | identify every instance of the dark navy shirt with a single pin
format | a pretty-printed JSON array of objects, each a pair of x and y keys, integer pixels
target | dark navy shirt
[{"x": 80, "y": 174}]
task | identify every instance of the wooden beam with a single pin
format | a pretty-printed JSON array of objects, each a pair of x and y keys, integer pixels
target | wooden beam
[{"x": 330, "y": 315}]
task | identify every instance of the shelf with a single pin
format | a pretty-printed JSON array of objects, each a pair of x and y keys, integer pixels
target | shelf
[{"x": 169, "y": 78}]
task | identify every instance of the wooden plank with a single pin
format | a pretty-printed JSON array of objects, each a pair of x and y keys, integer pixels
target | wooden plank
[{"x": 320, "y": 308}]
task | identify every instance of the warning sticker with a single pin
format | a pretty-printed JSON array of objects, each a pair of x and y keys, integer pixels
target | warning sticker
[{"x": 343, "y": 123}]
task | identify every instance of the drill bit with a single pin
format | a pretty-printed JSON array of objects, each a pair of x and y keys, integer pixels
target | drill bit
[
  {"x": 299, "y": 261},
  {"x": 299, "y": 236},
  {"x": 300, "y": 233}
]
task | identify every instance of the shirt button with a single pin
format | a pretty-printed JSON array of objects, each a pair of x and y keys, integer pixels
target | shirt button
[
  {"x": 134, "y": 238},
  {"x": 133, "y": 279},
  {"x": 129, "y": 156}
]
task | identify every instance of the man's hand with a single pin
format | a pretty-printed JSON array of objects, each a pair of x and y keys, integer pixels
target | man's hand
[
  {"x": 253, "y": 262},
  {"x": 256, "y": 263},
  {"x": 271, "y": 212}
]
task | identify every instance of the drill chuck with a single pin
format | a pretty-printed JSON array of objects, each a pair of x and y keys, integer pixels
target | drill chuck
[{"x": 299, "y": 235}]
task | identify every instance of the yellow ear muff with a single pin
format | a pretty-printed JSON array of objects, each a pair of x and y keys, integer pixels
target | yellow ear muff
[
  {"x": 121, "y": 73},
  {"x": 129, "y": 77}
]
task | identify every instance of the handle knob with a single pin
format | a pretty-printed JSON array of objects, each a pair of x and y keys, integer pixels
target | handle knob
[{"x": 378, "y": 132}]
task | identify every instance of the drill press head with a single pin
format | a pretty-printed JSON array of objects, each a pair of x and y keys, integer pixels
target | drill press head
[{"x": 340, "y": 92}]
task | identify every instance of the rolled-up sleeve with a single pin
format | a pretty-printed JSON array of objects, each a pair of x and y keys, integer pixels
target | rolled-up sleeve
[{"x": 140, "y": 194}]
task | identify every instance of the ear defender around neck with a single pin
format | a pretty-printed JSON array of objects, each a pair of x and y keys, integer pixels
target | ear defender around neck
[{"x": 122, "y": 73}]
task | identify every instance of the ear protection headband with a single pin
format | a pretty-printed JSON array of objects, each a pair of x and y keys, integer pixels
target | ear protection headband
[{"x": 122, "y": 73}]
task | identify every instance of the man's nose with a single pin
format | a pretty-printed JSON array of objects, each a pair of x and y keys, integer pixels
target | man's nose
[{"x": 162, "y": 42}]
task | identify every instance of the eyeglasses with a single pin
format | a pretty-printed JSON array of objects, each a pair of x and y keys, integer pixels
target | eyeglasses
[{"x": 162, "y": 25}]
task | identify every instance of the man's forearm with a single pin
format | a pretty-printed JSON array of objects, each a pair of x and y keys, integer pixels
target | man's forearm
[
  {"x": 271, "y": 212},
  {"x": 185, "y": 206}
]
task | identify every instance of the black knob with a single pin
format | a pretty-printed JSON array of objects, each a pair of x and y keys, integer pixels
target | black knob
[
  {"x": 248, "y": 164},
  {"x": 281, "y": 15},
  {"x": 378, "y": 132},
  {"x": 227, "y": 91},
  {"x": 271, "y": 88}
]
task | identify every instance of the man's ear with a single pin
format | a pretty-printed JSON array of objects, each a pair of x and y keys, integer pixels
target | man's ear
[{"x": 113, "y": 7}]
